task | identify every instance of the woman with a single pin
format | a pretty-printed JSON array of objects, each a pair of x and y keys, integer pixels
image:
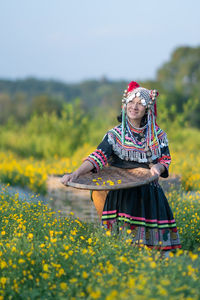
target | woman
[{"x": 136, "y": 142}]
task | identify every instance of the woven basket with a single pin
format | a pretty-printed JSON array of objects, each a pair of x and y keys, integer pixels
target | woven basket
[{"x": 112, "y": 178}]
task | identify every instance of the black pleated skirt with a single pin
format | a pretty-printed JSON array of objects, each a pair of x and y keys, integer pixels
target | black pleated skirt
[{"x": 145, "y": 212}]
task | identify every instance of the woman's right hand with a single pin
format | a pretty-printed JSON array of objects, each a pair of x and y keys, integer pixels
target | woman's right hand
[
  {"x": 69, "y": 177},
  {"x": 86, "y": 167}
]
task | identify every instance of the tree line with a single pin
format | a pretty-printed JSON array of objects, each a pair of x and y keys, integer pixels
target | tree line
[{"x": 177, "y": 81}]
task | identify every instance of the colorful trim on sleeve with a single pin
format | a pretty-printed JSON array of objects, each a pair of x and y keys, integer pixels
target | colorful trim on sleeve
[
  {"x": 165, "y": 160},
  {"x": 98, "y": 159}
]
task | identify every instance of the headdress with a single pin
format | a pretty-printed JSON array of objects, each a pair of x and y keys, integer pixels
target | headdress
[{"x": 148, "y": 99}]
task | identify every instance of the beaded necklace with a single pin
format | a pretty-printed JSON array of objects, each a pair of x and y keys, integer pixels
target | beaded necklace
[
  {"x": 134, "y": 139},
  {"x": 139, "y": 129}
]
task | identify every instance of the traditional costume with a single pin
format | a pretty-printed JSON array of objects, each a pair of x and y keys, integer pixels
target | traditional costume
[{"x": 143, "y": 209}]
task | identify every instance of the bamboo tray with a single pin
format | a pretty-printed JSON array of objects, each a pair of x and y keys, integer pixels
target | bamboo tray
[{"x": 112, "y": 178}]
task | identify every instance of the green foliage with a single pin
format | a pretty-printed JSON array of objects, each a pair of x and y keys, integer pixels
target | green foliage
[
  {"x": 5, "y": 107},
  {"x": 183, "y": 140},
  {"x": 48, "y": 135},
  {"x": 46, "y": 104},
  {"x": 192, "y": 112}
]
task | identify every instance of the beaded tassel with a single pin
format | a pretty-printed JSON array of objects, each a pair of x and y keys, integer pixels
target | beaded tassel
[
  {"x": 123, "y": 122},
  {"x": 124, "y": 116}
]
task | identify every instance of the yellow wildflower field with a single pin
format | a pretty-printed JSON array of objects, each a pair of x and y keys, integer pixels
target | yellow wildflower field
[{"x": 44, "y": 255}]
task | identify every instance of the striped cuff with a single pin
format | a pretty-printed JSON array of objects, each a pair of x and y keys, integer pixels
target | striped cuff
[
  {"x": 98, "y": 159},
  {"x": 165, "y": 160}
]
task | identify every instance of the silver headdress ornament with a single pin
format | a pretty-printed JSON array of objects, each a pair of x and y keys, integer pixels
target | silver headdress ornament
[{"x": 148, "y": 99}]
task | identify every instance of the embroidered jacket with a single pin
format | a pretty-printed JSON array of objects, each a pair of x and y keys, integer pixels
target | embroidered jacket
[{"x": 134, "y": 152}]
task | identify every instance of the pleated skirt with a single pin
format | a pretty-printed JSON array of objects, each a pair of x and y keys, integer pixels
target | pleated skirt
[{"x": 146, "y": 212}]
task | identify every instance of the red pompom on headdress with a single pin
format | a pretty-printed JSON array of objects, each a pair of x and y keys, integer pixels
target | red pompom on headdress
[{"x": 132, "y": 85}]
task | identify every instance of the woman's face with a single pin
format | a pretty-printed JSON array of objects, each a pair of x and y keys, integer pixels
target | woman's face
[{"x": 135, "y": 109}]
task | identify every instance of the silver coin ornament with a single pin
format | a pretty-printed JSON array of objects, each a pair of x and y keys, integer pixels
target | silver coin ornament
[
  {"x": 149, "y": 154},
  {"x": 143, "y": 102}
]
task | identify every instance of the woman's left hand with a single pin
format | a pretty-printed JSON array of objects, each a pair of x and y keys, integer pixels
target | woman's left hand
[{"x": 156, "y": 169}]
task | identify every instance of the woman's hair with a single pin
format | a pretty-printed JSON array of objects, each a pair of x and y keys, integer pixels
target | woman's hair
[{"x": 143, "y": 121}]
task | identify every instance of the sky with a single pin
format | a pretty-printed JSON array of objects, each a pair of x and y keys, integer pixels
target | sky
[{"x": 80, "y": 40}]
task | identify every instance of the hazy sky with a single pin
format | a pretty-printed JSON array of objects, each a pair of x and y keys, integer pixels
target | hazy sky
[{"x": 84, "y": 39}]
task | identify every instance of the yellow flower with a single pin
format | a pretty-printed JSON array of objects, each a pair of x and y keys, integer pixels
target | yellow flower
[
  {"x": 61, "y": 272},
  {"x": 45, "y": 275},
  {"x": 108, "y": 233},
  {"x": 73, "y": 280},
  {"x": 113, "y": 294},
  {"x": 162, "y": 291},
  {"x": 30, "y": 236},
  {"x": 89, "y": 241},
  {"x": 51, "y": 233},
  {"x": 193, "y": 256},
  {"x": 45, "y": 267},
  {"x": 73, "y": 232},
  {"x": 123, "y": 259},
  {"x": 85, "y": 275},
  {"x": 63, "y": 286},
  {"x": 95, "y": 294},
  {"x": 66, "y": 247},
  {"x": 21, "y": 261},
  {"x": 66, "y": 256},
  {"x": 165, "y": 282},
  {"x": 152, "y": 264},
  {"x": 3, "y": 280},
  {"x": 71, "y": 238},
  {"x": 3, "y": 264},
  {"x": 131, "y": 282},
  {"x": 129, "y": 241},
  {"x": 53, "y": 240}
]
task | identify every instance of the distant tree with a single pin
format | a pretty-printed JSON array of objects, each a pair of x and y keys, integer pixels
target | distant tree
[
  {"x": 20, "y": 107},
  {"x": 182, "y": 73},
  {"x": 192, "y": 112},
  {"x": 5, "y": 107},
  {"x": 46, "y": 104}
]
